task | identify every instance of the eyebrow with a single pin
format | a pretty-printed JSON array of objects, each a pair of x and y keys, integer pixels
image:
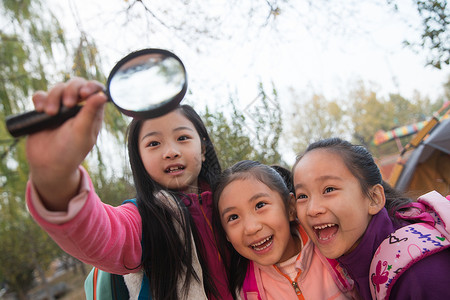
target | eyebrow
[
  {"x": 252, "y": 198},
  {"x": 321, "y": 178},
  {"x": 152, "y": 133}
]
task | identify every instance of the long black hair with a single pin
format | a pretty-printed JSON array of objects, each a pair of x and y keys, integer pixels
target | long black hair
[
  {"x": 165, "y": 254},
  {"x": 235, "y": 264},
  {"x": 361, "y": 164}
]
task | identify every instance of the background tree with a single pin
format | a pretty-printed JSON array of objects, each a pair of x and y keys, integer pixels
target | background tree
[
  {"x": 435, "y": 35},
  {"x": 370, "y": 113},
  {"x": 29, "y": 36},
  {"x": 227, "y": 134},
  {"x": 24, "y": 248},
  {"x": 313, "y": 119},
  {"x": 265, "y": 114},
  {"x": 33, "y": 43},
  {"x": 252, "y": 134},
  {"x": 357, "y": 118}
]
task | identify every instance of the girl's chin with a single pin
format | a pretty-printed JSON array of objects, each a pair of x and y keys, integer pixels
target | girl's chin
[
  {"x": 329, "y": 247},
  {"x": 330, "y": 253}
]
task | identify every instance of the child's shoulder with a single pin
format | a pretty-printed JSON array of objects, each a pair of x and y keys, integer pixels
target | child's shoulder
[{"x": 426, "y": 278}]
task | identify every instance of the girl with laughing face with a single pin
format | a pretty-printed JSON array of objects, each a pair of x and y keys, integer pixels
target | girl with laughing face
[
  {"x": 348, "y": 210},
  {"x": 254, "y": 215}
]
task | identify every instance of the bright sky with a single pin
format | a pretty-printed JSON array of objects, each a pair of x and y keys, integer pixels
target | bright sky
[{"x": 321, "y": 48}]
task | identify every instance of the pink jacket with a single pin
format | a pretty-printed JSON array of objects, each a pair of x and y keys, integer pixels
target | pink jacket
[
  {"x": 318, "y": 280},
  {"x": 110, "y": 237},
  {"x": 95, "y": 233}
]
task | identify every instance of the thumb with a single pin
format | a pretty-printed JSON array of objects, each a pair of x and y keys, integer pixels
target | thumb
[{"x": 89, "y": 120}]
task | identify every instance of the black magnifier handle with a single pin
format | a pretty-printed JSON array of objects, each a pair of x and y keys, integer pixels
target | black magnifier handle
[{"x": 33, "y": 121}]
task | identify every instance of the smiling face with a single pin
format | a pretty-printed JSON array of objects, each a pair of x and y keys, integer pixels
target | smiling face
[
  {"x": 330, "y": 203},
  {"x": 171, "y": 151},
  {"x": 256, "y": 221}
]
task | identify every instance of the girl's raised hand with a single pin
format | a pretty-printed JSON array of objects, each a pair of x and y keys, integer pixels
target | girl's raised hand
[{"x": 54, "y": 155}]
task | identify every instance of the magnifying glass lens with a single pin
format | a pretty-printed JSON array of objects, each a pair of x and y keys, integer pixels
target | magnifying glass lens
[{"x": 147, "y": 82}]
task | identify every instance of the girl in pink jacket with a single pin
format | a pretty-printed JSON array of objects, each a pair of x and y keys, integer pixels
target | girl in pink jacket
[
  {"x": 267, "y": 253},
  {"x": 168, "y": 235}
]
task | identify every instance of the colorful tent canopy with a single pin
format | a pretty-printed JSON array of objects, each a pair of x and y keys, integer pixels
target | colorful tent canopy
[
  {"x": 428, "y": 167},
  {"x": 424, "y": 163},
  {"x": 382, "y": 136}
]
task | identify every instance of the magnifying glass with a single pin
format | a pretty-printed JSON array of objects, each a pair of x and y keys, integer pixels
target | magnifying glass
[{"x": 144, "y": 84}]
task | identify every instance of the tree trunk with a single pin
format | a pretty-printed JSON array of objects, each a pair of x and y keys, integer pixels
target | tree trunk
[
  {"x": 45, "y": 283},
  {"x": 21, "y": 295}
]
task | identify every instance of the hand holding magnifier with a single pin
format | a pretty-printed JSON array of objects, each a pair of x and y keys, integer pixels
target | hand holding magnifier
[{"x": 144, "y": 84}]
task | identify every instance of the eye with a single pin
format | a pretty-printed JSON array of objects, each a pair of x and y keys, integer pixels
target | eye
[
  {"x": 153, "y": 144},
  {"x": 329, "y": 189},
  {"x": 260, "y": 205},
  {"x": 232, "y": 218},
  {"x": 184, "y": 138},
  {"x": 302, "y": 197}
]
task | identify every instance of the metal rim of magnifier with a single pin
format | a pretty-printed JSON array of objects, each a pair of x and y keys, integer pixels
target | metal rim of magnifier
[{"x": 156, "y": 111}]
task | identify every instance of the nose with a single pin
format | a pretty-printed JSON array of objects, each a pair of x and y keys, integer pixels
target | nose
[
  {"x": 252, "y": 225},
  {"x": 171, "y": 152},
  {"x": 315, "y": 207}
]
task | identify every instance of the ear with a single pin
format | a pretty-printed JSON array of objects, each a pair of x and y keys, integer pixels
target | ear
[
  {"x": 377, "y": 199},
  {"x": 292, "y": 211}
]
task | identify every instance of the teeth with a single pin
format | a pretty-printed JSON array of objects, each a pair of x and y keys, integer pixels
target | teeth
[
  {"x": 318, "y": 227},
  {"x": 171, "y": 169},
  {"x": 262, "y": 248},
  {"x": 262, "y": 242},
  {"x": 255, "y": 246}
]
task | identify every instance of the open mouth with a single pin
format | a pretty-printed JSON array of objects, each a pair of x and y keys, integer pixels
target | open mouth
[
  {"x": 174, "y": 169},
  {"x": 263, "y": 244},
  {"x": 325, "y": 232}
]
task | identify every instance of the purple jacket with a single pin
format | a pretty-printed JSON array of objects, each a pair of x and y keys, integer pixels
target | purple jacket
[{"x": 418, "y": 282}]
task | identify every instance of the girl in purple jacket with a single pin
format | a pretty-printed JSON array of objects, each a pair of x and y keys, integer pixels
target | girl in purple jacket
[{"x": 348, "y": 210}]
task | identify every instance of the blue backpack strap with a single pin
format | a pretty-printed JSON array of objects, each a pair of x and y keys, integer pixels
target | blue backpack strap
[
  {"x": 144, "y": 294},
  {"x": 145, "y": 289},
  {"x": 130, "y": 201},
  {"x": 101, "y": 285}
]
